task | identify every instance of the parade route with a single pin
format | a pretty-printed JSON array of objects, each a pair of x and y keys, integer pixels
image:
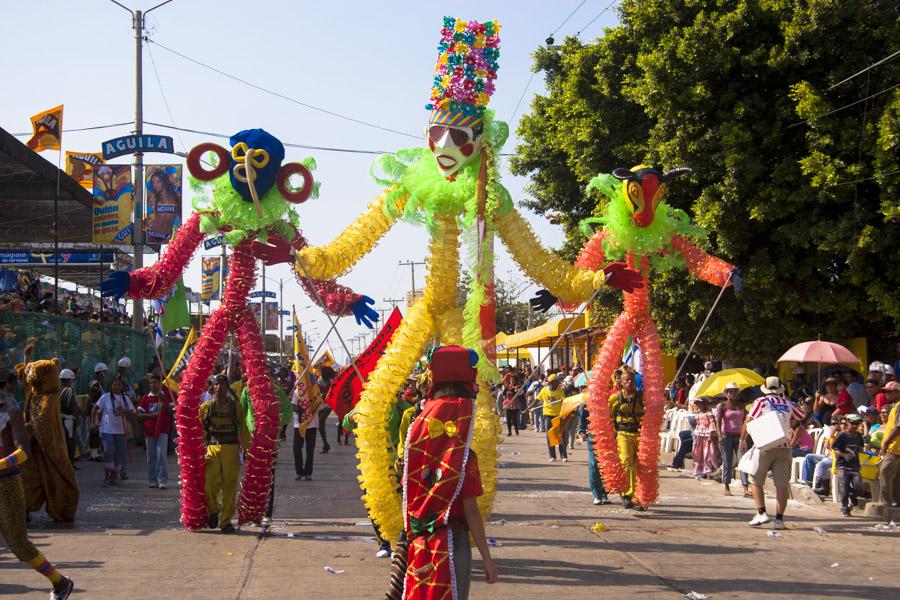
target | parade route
[{"x": 127, "y": 541}]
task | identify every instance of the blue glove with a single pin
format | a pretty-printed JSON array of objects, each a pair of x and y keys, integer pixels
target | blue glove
[
  {"x": 117, "y": 285},
  {"x": 737, "y": 281},
  {"x": 363, "y": 313}
]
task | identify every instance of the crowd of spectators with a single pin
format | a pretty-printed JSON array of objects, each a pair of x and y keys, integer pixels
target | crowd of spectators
[{"x": 25, "y": 293}]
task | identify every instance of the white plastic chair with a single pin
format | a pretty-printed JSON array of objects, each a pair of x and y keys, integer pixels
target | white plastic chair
[
  {"x": 797, "y": 463},
  {"x": 669, "y": 440}
]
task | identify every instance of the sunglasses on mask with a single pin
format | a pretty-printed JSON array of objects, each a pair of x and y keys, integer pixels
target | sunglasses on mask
[{"x": 459, "y": 137}]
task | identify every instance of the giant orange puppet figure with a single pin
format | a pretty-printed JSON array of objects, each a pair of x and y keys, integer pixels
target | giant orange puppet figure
[
  {"x": 248, "y": 200},
  {"x": 639, "y": 226}
]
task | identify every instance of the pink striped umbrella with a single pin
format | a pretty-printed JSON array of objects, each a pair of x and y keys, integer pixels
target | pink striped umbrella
[{"x": 820, "y": 352}]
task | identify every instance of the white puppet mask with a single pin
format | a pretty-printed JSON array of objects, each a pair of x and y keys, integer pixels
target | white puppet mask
[{"x": 453, "y": 147}]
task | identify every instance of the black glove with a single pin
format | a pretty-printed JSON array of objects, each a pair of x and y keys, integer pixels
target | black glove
[{"x": 543, "y": 301}]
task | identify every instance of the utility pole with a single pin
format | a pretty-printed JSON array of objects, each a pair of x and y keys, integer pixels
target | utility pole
[
  {"x": 412, "y": 272},
  {"x": 393, "y": 301},
  {"x": 137, "y": 232}
]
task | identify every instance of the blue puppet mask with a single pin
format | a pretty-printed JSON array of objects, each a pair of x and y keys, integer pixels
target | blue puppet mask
[{"x": 267, "y": 156}]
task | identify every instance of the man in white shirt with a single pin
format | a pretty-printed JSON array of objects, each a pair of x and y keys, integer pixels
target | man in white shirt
[{"x": 777, "y": 459}]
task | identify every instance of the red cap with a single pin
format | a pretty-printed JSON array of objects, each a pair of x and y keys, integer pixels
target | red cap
[
  {"x": 891, "y": 386},
  {"x": 452, "y": 364}
]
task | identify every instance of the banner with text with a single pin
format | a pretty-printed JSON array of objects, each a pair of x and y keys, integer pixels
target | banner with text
[
  {"x": 271, "y": 314},
  {"x": 80, "y": 167},
  {"x": 211, "y": 271},
  {"x": 163, "y": 193},
  {"x": 113, "y": 203}
]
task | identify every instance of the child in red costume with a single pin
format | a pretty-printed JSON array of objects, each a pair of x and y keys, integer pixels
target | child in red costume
[{"x": 441, "y": 482}]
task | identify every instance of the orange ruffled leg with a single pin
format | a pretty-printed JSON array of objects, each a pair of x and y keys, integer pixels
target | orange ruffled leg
[
  {"x": 599, "y": 390},
  {"x": 654, "y": 408}
]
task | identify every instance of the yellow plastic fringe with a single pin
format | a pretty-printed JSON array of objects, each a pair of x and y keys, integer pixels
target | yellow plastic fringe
[
  {"x": 435, "y": 313},
  {"x": 357, "y": 240},
  {"x": 564, "y": 281}
]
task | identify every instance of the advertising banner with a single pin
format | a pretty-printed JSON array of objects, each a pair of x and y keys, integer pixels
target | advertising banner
[
  {"x": 163, "y": 193},
  {"x": 113, "y": 204},
  {"x": 211, "y": 280},
  {"x": 80, "y": 167}
]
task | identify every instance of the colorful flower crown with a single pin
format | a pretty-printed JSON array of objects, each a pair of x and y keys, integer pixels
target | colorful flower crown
[{"x": 465, "y": 72}]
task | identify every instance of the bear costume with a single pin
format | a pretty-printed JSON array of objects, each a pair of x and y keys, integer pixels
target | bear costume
[{"x": 48, "y": 476}]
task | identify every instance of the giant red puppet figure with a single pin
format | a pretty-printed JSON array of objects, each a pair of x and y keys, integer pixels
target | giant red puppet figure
[{"x": 249, "y": 199}]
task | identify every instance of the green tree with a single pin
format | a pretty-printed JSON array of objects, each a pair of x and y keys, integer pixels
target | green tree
[{"x": 796, "y": 175}]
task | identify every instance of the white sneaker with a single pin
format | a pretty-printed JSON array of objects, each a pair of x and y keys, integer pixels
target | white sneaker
[
  {"x": 266, "y": 522},
  {"x": 382, "y": 554},
  {"x": 598, "y": 501},
  {"x": 552, "y": 460},
  {"x": 162, "y": 486},
  {"x": 758, "y": 520},
  {"x": 779, "y": 524},
  {"x": 566, "y": 459}
]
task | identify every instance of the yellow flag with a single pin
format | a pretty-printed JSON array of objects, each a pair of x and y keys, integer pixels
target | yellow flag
[
  {"x": 80, "y": 167},
  {"x": 47, "y": 128},
  {"x": 173, "y": 379}
]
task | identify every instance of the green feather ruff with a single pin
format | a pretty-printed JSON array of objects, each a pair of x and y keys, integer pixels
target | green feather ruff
[
  {"x": 225, "y": 210},
  {"x": 625, "y": 237},
  {"x": 413, "y": 174}
]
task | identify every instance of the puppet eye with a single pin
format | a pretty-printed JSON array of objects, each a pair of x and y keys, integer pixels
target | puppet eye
[
  {"x": 195, "y": 157},
  {"x": 658, "y": 196},
  {"x": 290, "y": 193},
  {"x": 636, "y": 195}
]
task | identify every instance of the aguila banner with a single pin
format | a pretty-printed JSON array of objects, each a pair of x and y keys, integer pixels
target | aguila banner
[
  {"x": 211, "y": 267},
  {"x": 345, "y": 391},
  {"x": 113, "y": 203},
  {"x": 47, "y": 127},
  {"x": 80, "y": 167}
]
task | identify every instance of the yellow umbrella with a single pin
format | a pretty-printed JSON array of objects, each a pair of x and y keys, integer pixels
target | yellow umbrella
[{"x": 715, "y": 383}]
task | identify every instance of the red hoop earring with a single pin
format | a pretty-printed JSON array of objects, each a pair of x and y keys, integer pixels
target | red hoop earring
[
  {"x": 196, "y": 168},
  {"x": 284, "y": 174}
]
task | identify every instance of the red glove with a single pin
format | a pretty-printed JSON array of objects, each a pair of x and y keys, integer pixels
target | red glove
[
  {"x": 619, "y": 276},
  {"x": 277, "y": 251}
]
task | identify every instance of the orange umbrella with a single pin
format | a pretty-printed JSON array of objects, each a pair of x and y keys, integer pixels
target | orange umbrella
[{"x": 820, "y": 352}]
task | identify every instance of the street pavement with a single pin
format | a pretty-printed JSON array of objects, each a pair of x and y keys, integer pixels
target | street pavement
[{"x": 127, "y": 541}]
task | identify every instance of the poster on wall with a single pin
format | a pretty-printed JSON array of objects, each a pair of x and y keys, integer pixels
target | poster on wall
[
  {"x": 113, "y": 203},
  {"x": 163, "y": 193},
  {"x": 211, "y": 277},
  {"x": 272, "y": 314},
  {"x": 80, "y": 167}
]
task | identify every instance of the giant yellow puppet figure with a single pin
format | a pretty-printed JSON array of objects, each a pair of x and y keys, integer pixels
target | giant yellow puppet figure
[{"x": 452, "y": 188}]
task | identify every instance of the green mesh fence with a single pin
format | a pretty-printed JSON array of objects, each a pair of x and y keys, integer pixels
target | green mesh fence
[{"x": 78, "y": 344}]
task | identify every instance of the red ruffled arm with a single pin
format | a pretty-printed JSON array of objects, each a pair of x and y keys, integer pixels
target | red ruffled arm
[
  {"x": 592, "y": 256},
  {"x": 336, "y": 298},
  {"x": 705, "y": 267},
  {"x": 156, "y": 281}
]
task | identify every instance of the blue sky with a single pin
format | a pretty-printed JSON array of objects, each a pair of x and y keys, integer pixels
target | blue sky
[{"x": 369, "y": 61}]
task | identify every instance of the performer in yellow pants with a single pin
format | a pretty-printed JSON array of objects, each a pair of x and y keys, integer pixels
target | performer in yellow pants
[
  {"x": 626, "y": 407},
  {"x": 224, "y": 423},
  {"x": 13, "y": 441}
]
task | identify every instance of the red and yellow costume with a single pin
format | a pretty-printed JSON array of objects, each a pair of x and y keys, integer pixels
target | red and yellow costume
[{"x": 436, "y": 465}]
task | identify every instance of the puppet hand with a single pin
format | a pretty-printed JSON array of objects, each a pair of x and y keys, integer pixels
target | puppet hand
[
  {"x": 619, "y": 276},
  {"x": 117, "y": 285},
  {"x": 543, "y": 301},
  {"x": 737, "y": 280},
  {"x": 274, "y": 252},
  {"x": 365, "y": 315}
]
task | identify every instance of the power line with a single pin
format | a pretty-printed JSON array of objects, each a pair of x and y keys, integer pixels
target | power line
[
  {"x": 522, "y": 97},
  {"x": 92, "y": 128},
  {"x": 286, "y": 144},
  {"x": 864, "y": 179},
  {"x": 831, "y": 112},
  {"x": 162, "y": 93},
  {"x": 602, "y": 12},
  {"x": 566, "y": 20},
  {"x": 282, "y": 96},
  {"x": 872, "y": 66}
]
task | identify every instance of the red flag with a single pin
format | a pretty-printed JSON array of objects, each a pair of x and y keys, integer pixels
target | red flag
[{"x": 346, "y": 389}]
